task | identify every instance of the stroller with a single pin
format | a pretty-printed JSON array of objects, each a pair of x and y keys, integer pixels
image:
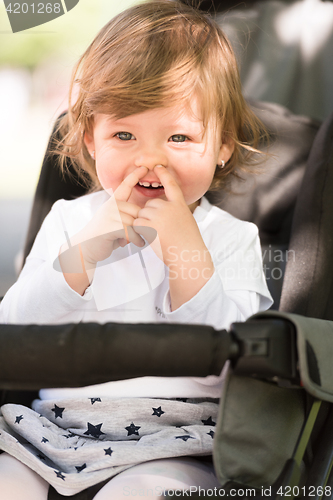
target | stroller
[{"x": 274, "y": 436}]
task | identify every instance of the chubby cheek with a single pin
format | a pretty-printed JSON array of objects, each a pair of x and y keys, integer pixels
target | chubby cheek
[
  {"x": 197, "y": 182},
  {"x": 109, "y": 169},
  {"x": 107, "y": 177}
]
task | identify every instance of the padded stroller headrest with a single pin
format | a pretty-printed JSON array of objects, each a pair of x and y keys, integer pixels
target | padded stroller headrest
[
  {"x": 308, "y": 284},
  {"x": 268, "y": 198}
]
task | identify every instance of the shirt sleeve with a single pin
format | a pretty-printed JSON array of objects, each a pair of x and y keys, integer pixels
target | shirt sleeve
[
  {"x": 41, "y": 285},
  {"x": 214, "y": 306},
  {"x": 237, "y": 288}
]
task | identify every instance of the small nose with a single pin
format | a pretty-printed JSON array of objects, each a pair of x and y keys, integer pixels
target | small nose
[{"x": 150, "y": 159}]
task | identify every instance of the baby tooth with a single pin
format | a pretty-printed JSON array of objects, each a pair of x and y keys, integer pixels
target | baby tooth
[
  {"x": 155, "y": 184},
  {"x": 145, "y": 184}
]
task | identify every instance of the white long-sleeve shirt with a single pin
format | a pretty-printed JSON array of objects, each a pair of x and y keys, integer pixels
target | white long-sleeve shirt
[{"x": 132, "y": 286}]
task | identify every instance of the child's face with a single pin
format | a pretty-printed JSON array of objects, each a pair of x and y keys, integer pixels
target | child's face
[{"x": 172, "y": 137}]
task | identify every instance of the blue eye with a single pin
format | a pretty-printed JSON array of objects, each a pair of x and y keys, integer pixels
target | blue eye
[
  {"x": 178, "y": 138},
  {"x": 125, "y": 136}
]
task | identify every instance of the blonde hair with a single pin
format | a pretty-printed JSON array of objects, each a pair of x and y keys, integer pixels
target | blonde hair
[{"x": 155, "y": 55}]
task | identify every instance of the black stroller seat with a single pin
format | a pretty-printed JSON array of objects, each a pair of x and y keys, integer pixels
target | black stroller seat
[{"x": 262, "y": 350}]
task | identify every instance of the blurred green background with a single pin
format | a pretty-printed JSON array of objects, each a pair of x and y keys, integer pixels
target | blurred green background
[{"x": 35, "y": 70}]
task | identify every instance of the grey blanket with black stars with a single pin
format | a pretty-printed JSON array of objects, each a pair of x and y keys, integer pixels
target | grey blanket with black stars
[{"x": 77, "y": 443}]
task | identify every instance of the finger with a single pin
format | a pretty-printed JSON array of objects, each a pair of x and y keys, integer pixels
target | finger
[
  {"x": 123, "y": 237},
  {"x": 171, "y": 188},
  {"x": 125, "y": 219},
  {"x": 122, "y": 242},
  {"x": 117, "y": 244},
  {"x": 133, "y": 237},
  {"x": 150, "y": 235},
  {"x": 147, "y": 213},
  {"x": 153, "y": 203},
  {"x": 127, "y": 234},
  {"x": 131, "y": 209},
  {"x": 124, "y": 190},
  {"x": 142, "y": 227}
]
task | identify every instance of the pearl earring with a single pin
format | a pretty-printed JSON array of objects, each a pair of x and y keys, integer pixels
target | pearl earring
[
  {"x": 93, "y": 155},
  {"x": 222, "y": 164}
]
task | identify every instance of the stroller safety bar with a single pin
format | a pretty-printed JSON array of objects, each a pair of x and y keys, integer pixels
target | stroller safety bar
[{"x": 35, "y": 356}]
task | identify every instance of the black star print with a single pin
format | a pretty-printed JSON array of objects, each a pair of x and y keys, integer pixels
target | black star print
[
  {"x": 94, "y": 430},
  {"x": 69, "y": 435},
  {"x": 211, "y": 433},
  {"x": 108, "y": 451},
  {"x": 132, "y": 429},
  {"x": 184, "y": 438},
  {"x": 80, "y": 468},
  {"x": 158, "y": 411},
  {"x": 44, "y": 440},
  {"x": 60, "y": 475},
  {"x": 57, "y": 411},
  {"x": 95, "y": 400},
  {"x": 209, "y": 421},
  {"x": 18, "y": 419}
]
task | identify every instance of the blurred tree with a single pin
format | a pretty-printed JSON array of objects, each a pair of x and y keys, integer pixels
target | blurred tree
[{"x": 71, "y": 33}]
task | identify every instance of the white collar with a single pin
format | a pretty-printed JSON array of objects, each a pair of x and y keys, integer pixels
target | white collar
[{"x": 201, "y": 211}]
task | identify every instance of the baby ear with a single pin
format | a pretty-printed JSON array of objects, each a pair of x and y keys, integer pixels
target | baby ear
[
  {"x": 88, "y": 139},
  {"x": 226, "y": 150}
]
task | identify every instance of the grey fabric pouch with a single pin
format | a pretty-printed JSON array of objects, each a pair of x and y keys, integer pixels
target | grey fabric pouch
[
  {"x": 315, "y": 351},
  {"x": 257, "y": 430}
]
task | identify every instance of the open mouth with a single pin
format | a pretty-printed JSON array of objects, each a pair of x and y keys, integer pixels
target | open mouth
[
  {"x": 150, "y": 190},
  {"x": 148, "y": 185}
]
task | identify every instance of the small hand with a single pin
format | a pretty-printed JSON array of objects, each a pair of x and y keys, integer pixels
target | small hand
[
  {"x": 184, "y": 251},
  {"x": 112, "y": 224},
  {"x": 171, "y": 218}
]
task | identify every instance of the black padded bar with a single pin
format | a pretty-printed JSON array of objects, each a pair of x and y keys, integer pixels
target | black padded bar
[
  {"x": 34, "y": 356},
  {"x": 267, "y": 348}
]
